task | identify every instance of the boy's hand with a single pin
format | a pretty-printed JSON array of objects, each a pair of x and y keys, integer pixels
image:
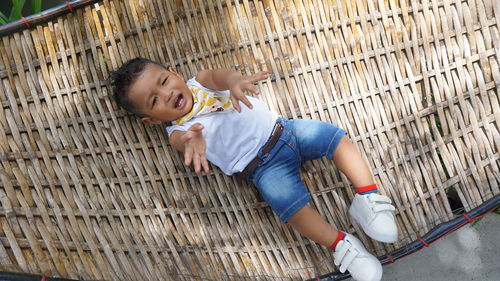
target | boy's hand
[
  {"x": 241, "y": 84},
  {"x": 194, "y": 148}
]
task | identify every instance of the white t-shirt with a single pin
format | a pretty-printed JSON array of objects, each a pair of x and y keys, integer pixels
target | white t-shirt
[{"x": 233, "y": 139}]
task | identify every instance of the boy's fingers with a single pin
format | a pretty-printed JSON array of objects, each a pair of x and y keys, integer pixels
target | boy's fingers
[
  {"x": 188, "y": 156},
  {"x": 247, "y": 102},
  {"x": 259, "y": 76},
  {"x": 197, "y": 164},
  {"x": 237, "y": 92},
  {"x": 264, "y": 75},
  {"x": 187, "y": 136},
  {"x": 196, "y": 127},
  {"x": 252, "y": 89},
  {"x": 236, "y": 104},
  {"x": 204, "y": 163}
]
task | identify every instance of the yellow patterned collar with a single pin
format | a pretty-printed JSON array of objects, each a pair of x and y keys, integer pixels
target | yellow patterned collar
[{"x": 204, "y": 103}]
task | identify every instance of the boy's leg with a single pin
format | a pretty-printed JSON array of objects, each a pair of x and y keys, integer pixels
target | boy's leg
[
  {"x": 348, "y": 160},
  {"x": 349, "y": 253},
  {"x": 280, "y": 184},
  {"x": 371, "y": 210},
  {"x": 312, "y": 225}
]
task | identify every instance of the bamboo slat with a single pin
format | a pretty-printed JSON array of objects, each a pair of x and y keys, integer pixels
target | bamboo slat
[{"x": 87, "y": 191}]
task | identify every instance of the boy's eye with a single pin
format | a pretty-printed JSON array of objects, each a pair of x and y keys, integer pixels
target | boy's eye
[
  {"x": 155, "y": 99},
  {"x": 164, "y": 81}
]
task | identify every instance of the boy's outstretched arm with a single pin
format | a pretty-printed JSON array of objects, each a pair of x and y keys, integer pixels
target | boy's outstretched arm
[
  {"x": 237, "y": 84},
  {"x": 192, "y": 143}
]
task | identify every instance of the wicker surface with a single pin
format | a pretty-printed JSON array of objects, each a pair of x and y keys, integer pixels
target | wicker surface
[{"x": 87, "y": 191}]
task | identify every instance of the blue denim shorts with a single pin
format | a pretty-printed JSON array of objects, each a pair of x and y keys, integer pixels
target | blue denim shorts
[{"x": 277, "y": 177}]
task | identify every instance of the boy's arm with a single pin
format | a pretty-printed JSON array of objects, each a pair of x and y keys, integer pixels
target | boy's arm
[
  {"x": 192, "y": 143},
  {"x": 237, "y": 84}
]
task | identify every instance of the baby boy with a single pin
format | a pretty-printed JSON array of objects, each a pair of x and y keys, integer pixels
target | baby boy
[{"x": 210, "y": 119}]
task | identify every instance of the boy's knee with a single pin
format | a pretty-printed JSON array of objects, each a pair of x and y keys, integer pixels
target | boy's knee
[
  {"x": 280, "y": 196},
  {"x": 285, "y": 201}
]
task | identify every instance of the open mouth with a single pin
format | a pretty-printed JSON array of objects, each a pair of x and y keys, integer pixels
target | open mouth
[{"x": 179, "y": 101}]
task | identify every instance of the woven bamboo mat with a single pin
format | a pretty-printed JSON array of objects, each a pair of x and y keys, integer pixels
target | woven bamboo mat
[{"x": 86, "y": 191}]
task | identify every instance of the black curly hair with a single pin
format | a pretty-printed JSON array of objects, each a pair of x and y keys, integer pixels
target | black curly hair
[{"x": 122, "y": 79}]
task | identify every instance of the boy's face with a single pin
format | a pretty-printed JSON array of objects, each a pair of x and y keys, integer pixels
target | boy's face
[{"x": 160, "y": 94}]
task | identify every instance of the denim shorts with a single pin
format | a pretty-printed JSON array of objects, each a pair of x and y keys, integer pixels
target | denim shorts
[{"x": 277, "y": 177}]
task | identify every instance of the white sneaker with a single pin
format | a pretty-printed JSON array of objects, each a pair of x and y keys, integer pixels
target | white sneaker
[
  {"x": 350, "y": 254},
  {"x": 374, "y": 213}
]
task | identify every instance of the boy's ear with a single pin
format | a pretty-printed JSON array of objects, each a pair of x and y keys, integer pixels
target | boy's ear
[
  {"x": 151, "y": 121},
  {"x": 171, "y": 69}
]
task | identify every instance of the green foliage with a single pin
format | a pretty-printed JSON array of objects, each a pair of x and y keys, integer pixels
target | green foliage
[
  {"x": 36, "y": 6},
  {"x": 3, "y": 18},
  {"x": 17, "y": 9}
]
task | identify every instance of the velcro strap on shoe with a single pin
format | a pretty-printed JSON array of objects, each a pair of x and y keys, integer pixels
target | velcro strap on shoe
[
  {"x": 379, "y": 198},
  {"x": 348, "y": 259},
  {"x": 340, "y": 251},
  {"x": 383, "y": 207}
]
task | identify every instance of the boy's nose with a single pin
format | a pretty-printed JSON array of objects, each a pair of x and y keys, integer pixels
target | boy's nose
[{"x": 167, "y": 95}]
